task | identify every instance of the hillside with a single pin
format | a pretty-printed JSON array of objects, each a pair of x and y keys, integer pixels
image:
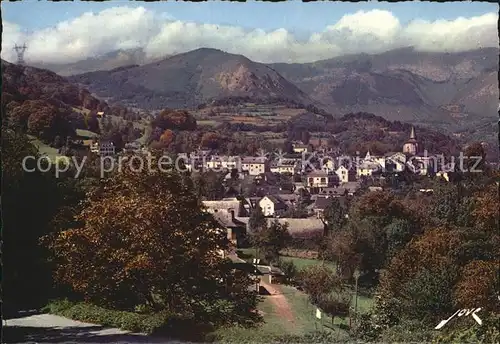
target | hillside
[
  {"x": 404, "y": 84},
  {"x": 46, "y": 106},
  {"x": 109, "y": 61},
  {"x": 445, "y": 89},
  {"x": 22, "y": 83},
  {"x": 189, "y": 79}
]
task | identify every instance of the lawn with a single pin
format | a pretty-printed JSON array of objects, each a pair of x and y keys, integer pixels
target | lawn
[
  {"x": 86, "y": 133},
  {"x": 249, "y": 253},
  {"x": 209, "y": 122},
  {"x": 301, "y": 263},
  {"x": 273, "y": 326},
  {"x": 45, "y": 149}
]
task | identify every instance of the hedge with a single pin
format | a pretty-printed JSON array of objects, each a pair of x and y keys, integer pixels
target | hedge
[{"x": 160, "y": 323}]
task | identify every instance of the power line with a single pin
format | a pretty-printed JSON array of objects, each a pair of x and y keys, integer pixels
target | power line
[{"x": 20, "y": 50}]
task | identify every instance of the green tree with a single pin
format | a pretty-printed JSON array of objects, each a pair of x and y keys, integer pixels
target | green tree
[
  {"x": 335, "y": 215},
  {"x": 270, "y": 240},
  {"x": 257, "y": 221},
  {"x": 27, "y": 213}
]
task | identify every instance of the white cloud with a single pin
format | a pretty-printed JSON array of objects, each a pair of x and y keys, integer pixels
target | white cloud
[{"x": 373, "y": 31}]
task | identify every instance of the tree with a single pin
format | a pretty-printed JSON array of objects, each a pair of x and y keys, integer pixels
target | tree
[
  {"x": 399, "y": 233},
  {"x": 211, "y": 140},
  {"x": 174, "y": 120},
  {"x": 257, "y": 220},
  {"x": 92, "y": 122},
  {"x": 167, "y": 137},
  {"x": 479, "y": 286},
  {"x": 318, "y": 280},
  {"x": 142, "y": 239},
  {"x": 305, "y": 137},
  {"x": 271, "y": 239},
  {"x": 334, "y": 215},
  {"x": 27, "y": 281},
  {"x": 209, "y": 184}
]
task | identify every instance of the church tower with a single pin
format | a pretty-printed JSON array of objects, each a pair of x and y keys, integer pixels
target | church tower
[{"x": 411, "y": 146}]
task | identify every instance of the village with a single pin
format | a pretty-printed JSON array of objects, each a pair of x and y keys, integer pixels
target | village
[{"x": 296, "y": 187}]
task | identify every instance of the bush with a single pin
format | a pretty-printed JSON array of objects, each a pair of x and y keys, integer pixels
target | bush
[
  {"x": 334, "y": 306},
  {"x": 312, "y": 337},
  {"x": 290, "y": 271},
  {"x": 306, "y": 240},
  {"x": 130, "y": 321}
]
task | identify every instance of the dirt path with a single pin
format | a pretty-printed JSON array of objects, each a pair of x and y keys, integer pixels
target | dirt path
[{"x": 283, "y": 308}]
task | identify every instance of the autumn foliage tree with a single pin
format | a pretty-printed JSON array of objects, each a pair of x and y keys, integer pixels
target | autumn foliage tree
[
  {"x": 167, "y": 137},
  {"x": 211, "y": 140},
  {"x": 142, "y": 239},
  {"x": 174, "y": 120}
]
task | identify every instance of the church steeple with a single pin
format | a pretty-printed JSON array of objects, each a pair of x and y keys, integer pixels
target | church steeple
[
  {"x": 411, "y": 146},
  {"x": 412, "y": 135}
]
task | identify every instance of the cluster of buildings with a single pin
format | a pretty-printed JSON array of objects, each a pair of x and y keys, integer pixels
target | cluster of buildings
[
  {"x": 316, "y": 183},
  {"x": 319, "y": 168}
]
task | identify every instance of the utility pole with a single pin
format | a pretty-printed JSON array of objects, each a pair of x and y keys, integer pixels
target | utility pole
[
  {"x": 356, "y": 277},
  {"x": 20, "y": 50}
]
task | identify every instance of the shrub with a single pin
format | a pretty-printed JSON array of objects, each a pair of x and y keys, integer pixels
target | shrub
[
  {"x": 290, "y": 271},
  {"x": 333, "y": 305},
  {"x": 312, "y": 337},
  {"x": 130, "y": 321}
]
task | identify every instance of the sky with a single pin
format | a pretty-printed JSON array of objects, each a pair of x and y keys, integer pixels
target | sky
[{"x": 290, "y": 31}]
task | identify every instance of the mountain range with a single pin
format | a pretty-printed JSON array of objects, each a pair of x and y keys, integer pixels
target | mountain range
[{"x": 450, "y": 90}]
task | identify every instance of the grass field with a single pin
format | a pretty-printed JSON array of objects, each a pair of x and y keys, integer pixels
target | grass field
[
  {"x": 45, "y": 149},
  {"x": 275, "y": 325},
  {"x": 209, "y": 122},
  {"x": 301, "y": 263},
  {"x": 86, "y": 133}
]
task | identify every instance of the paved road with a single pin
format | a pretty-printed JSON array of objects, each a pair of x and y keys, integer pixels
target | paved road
[{"x": 47, "y": 328}]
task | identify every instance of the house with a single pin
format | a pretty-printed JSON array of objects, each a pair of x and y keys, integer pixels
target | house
[
  {"x": 89, "y": 145},
  {"x": 327, "y": 165},
  {"x": 351, "y": 187},
  {"x": 236, "y": 230},
  {"x": 226, "y": 212},
  {"x": 216, "y": 162},
  {"x": 367, "y": 169},
  {"x": 291, "y": 166},
  {"x": 333, "y": 192},
  {"x": 94, "y": 146},
  {"x": 272, "y": 206},
  {"x": 132, "y": 147},
  {"x": 229, "y": 206},
  {"x": 106, "y": 148},
  {"x": 423, "y": 164},
  {"x": 255, "y": 165},
  {"x": 345, "y": 175},
  {"x": 444, "y": 175},
  {"x": 395, "y": 162},
  {"x": 301, "y": 148},
  {"x": 320, "y": 179},
  {"x": 291, "y": 200},
  {"x": 319, "y": 206}
]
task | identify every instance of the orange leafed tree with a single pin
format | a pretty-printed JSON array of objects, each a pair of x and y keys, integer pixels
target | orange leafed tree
[
  {"x": 174, "y": 119},
  {"x": 142, "y": 239},
  {"x": 167, "y": 137},
  {"x": 479, "y": 285}
]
